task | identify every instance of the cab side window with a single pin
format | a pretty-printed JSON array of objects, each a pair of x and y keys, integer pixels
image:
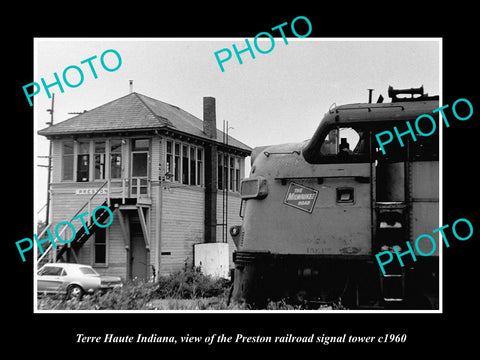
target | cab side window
[{"x": 423, "y": 148}]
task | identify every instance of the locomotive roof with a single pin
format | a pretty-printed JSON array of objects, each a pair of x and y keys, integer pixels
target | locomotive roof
[
  {"x": 367, "y": 113},
  {"x": 371, "y": 112}
]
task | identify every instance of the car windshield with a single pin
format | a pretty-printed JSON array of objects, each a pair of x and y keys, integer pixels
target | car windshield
[{"x": 87, "y": 271}]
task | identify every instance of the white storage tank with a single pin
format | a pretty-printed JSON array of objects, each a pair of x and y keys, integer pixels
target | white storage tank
[{"x": 212, "y": 259}]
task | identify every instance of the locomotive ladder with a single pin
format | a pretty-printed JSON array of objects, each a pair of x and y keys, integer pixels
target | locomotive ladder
[
  {"x": 393, "y": 281},
  {"x": 396, "y": 279}
]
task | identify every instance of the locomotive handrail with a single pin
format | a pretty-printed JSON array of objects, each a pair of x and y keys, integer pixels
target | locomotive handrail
[
  {"x": 369, "y": 108},
  {"x": 314, "y": 177},
  {"x": 360, "y": 179},
  {"x": 267, "y": 153}
]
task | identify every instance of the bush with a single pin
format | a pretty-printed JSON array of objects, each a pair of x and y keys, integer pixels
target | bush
[
  {"x": 190, "y": 284},
  {"x": 132, "y": 296}
]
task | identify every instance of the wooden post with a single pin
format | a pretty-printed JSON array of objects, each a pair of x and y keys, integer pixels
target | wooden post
[
  {"x": 123, "y": 191},
  {"x": 108, "y": 192},
  {"x": 144, "y": 226},
  {"x": 124, "y": 228},
  {"x": 90, "y": 212}
]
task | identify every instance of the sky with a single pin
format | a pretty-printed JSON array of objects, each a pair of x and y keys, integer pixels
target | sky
[{"x": 274, "y": 98}]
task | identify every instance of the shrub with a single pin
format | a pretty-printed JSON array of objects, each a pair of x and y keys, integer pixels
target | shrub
[
  {"x": 190, "y": 284},
  {"x": 133, "y": 296}
]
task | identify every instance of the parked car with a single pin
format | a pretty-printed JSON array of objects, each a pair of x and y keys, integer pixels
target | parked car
[{"x": 73, "y": 280}]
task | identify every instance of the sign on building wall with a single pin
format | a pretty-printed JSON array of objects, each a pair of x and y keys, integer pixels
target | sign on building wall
[{"x": 90, "y": 191}]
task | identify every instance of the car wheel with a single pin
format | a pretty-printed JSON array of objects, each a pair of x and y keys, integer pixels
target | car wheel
[{"x": 74, "y": 292}]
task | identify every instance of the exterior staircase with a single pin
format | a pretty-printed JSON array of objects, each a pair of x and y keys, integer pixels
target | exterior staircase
[{"x": 81, "y": 234}]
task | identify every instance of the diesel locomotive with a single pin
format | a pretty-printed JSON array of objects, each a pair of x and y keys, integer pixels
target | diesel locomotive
[{"x": 315, "y": 213}]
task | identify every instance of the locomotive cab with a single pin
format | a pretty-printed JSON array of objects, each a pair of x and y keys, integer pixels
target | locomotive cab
[{"x": 316, "y": 213}]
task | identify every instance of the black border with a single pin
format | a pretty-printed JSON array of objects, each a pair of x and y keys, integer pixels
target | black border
[{"x": 427, "y": 334}]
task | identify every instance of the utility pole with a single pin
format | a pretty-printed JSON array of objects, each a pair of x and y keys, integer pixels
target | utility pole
[
  {"x": 225, "y": 184},
  {"x": 47, "y": 216},
  {"x": 227, "y": 179}
]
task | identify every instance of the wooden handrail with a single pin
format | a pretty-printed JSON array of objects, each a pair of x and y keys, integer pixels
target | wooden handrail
[
  {"x": 51, "y": 245},
  {"x": 43, "y": 207}
]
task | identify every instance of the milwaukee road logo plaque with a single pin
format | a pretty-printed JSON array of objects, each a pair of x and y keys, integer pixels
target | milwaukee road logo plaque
[{"x": 301, "y": 197}]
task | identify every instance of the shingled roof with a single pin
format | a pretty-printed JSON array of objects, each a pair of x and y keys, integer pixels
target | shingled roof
[{"x": 135, "y": 112}]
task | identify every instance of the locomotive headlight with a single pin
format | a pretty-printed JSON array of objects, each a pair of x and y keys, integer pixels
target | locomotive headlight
[
  {"x": 235, "y": 233},
  {"x": 235, "y": 230},
  {"x": 254, "y": 188}
]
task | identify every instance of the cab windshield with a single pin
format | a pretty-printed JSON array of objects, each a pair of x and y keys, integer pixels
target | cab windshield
[
  {"x": 343, "y": 144},
  {"x": 346, "y": 141}
]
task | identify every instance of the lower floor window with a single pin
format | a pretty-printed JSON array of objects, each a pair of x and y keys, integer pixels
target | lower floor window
[{"x": 100, "y": 248}]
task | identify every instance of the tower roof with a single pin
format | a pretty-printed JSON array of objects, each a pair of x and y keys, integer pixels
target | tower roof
[{"x": 135, "y": 112}]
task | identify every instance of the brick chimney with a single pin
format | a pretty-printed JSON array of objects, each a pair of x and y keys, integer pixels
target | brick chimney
[
  {"x": 209, "y": 117},
  {"x": 211, "y": 164}
]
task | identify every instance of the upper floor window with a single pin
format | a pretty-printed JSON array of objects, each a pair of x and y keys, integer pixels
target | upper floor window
[
  {"x": 99, "y": 159},
  {"x": 141, "y": 144},
  {"x": 199, "y": 167},
  {"x": 193, "y": 166},
  {"x": 221, "y": 172},
  {"x": 115, "y": 159},
  {"x": 228, "y": 172},
  {"x": 184, "y": 163},
  {"x": 176, "y": 165},
  {"x": 169, "y": 159},
  {"x": 237, "y": 174},
  {"x": 86, "y": 160},
  {"x": 67, "y": 160},
  {"x": 83, "y": 160},
  {"x": 140, "y": 154}
]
